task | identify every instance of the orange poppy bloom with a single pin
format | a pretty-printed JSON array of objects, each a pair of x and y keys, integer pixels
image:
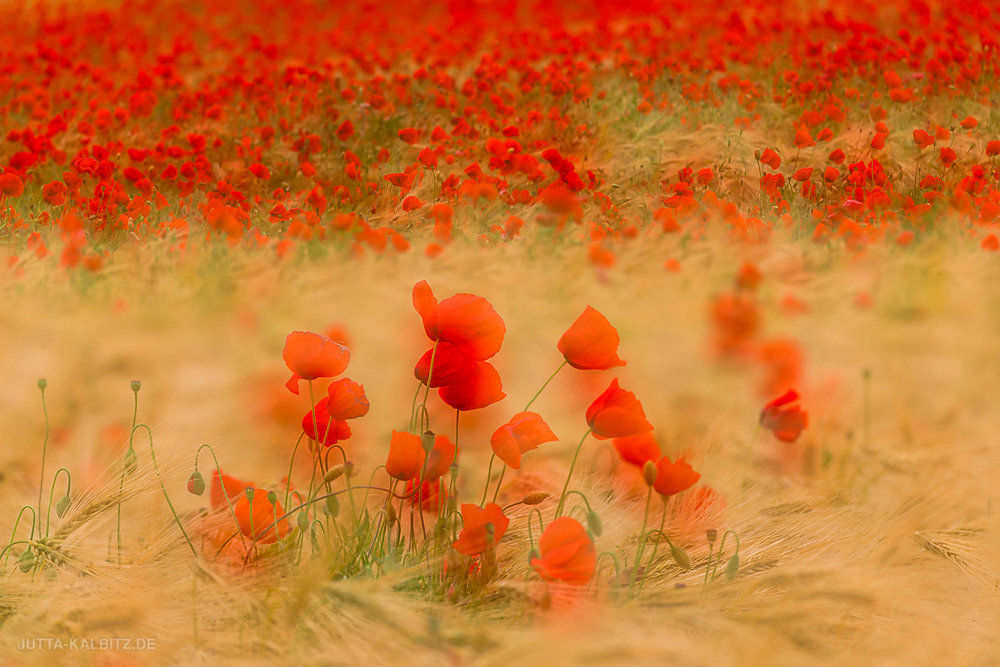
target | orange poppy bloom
[
  {"x": 347, "y": 400},
  {"x": 591, "y": 343},
  {"x": 672, "y": 478},
  {"x": 475, "y": 538},
  {"x": 224, "y": 485},
  {"x": 480, "y": 387},
  {"x": 257, "y": 519},
  {"x": 617, "y": 414},
  {"x": 465, "y": 320},
  {"x": 567, "y": 553},
  {"x": 637, "y": 449},
  {"x": 524, "y": 432},
  {"x": 784, "y": 417},
  {"x": 311, "y": 355},
  {"x": 406, "y": 456},
  {"x": 323, "y": 427},
  {"x": 452, "y": 363}
]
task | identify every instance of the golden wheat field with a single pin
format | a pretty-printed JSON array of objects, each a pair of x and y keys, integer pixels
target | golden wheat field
[{"x": 747, "y": 253}]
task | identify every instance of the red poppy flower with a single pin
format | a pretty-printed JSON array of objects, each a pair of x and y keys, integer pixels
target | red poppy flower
[
  {"x": 475, "y": 538},
  {"x": 440, "y": 458},
  {"x": 324, "y": 427},
  {"x": 784, "y": 416},
  {"x": 674, "y": 477},
  {"x": 637, "y": 449},
  {"x": 11, "y": 185},
  {"x": 452, "y": 363},
  {"x": 406, "y": 456},
  {"x": 478, "y": 388},
  {"x": 310, "y": 356},
  {"x": 463, "y": 319},
  {"x": 617, "y": 414},
  {"x": 347, "y": 400},
  {"x": 524, "y": 432},
  {"x": 591, "y": 343},
  {"x": 567, "y": 553}
]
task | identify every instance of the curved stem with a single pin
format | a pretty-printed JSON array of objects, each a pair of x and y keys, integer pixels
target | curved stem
[
  {"x": 52, "y": 490},
  {"x": 45, "y": 446},
  {"x": 569, "y": 475},
  {"x": 229, "y": 503},
  {"x": 13, "y": 533},
  {"x": 642, "y": 541},
  {"x": 544, "y": 385},
  {"x": 486, "y": 487},
  {"x": 291, "y": 462},
  {"x": 541, "y": 526},
  {"x": 156, "y": 468}
]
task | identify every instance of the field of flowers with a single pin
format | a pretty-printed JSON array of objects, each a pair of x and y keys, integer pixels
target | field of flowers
[{"x": 499, "y": 332}]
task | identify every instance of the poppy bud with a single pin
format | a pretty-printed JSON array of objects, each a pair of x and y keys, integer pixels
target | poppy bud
[
  {"x": 534, "y": 498},
  {"x": 136, "y": 386},
  {"x": 733, "y": 566},
  {"x": 332, "y": 506},
  {"x": 649, "y": 473},
  {"x": 349, "y": 468},
  {"x": 453, "y": 471},
  {"x": 711, "y": 534},
  {"x": 594, "y": 523},
  {"x": 680, "y": 557},
  {"x": 249, "y": 494},
  {"x": 272, "y": 498},
  {"x": 390, "y": 514},
  {"x": 334, "y": 473},
  {"x": 131, "y": 460},
  {"x": 26, "y": 561},
  {"x": 42, "y": 383},
  {"x": 427, "y": 440},
  {"x": 303, "y": 520},
  {"x": 196, "y": 483},
  {"x": 61, "y": 506}
]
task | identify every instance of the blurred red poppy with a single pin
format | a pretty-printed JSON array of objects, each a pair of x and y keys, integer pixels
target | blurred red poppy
[
  {"x": 784, "y": 417},
  {"x": 475, "y": 537},
  {"x": 617, "y": 414},
  {"x": 567, "y": 553},
  {"x": 524, "y": 432},
  {"x": 311, "y": 355}
]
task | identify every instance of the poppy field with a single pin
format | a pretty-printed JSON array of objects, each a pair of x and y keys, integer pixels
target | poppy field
[{"x": 499, "y": 332}]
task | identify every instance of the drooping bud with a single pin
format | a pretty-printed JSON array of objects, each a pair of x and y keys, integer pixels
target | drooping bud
[
  {"x": 333, "y": 473},
  {"x": 680, "y": 557},
  {"x": 61, "y": 506},
  {"x": 196, "y": 483},
  {"x": 332, "y": 506},
  {"x": 649, "y": 473},
  {"x": 26, "y": 561},
  {"x": 534, "y": 498},
  {"x": 733, "y": 566}
]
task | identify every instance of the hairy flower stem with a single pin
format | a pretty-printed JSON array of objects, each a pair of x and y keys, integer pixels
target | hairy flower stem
[
  {"x": 45, "y": 446},
  {"x": 642, "y": 542},
  {"x": 156, "y": 468},
  {"x": 569, "y": 475},
  {"x": 544, "y": 385}
]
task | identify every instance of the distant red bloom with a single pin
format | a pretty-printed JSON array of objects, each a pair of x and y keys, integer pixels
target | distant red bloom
[
  {"x": 409, "y": 135},
  {"x": 11, "y": 185},
  {"x": 674, "y": 477},
  {"x": 617, "y": 414},
  {"x": 948, "y": 155},
  {"x": 567, "y": 553},
  {"x": 637, "y": 449},
  {"x": 770, "y": 158},
  {"x": 475, "y": 537},
  {"x": 524, "y": 432},
  {"x": 310, "y": 356},
  {"x": 784, "y": 416},
  {"x": 591, "y": 343}
]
